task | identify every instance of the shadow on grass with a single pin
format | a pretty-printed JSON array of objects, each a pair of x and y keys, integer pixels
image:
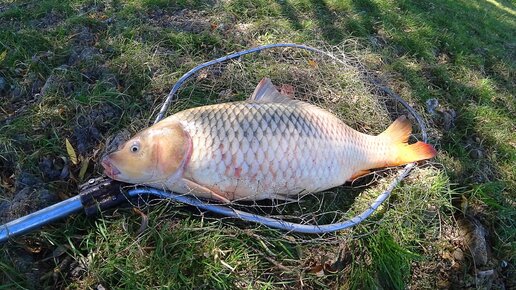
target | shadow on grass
[
  {"x": 290, "y": 12},
  {"x": 326, "y": 20},
  {"x": 446, "y": 50}
]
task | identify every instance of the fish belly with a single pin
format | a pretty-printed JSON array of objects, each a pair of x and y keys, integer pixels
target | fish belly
[{"x": 252, "y": 151}]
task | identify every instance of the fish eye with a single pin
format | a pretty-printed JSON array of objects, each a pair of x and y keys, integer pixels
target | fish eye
[{"x": 135, "y": 148}]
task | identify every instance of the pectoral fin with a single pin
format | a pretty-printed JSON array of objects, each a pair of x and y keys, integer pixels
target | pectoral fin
[{"x": 202, "y": 191}]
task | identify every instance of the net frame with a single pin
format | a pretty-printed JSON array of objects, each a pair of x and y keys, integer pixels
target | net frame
[{"x": 271, "y": 221}]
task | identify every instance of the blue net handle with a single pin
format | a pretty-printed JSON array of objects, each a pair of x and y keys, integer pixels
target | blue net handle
[{"x": 268, "y": 221}]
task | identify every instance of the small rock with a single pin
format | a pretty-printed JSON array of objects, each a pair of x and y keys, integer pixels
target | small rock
[
  {"x": 46, "y": 197},
  {"x": 88, "y": 53},
  {"x": 476, "y": 154},
  {"x": 478, "y": 244},
  {"x": 458, "y": 255},
  {"x": 444, "y": 117},
  {"x": 46, "y": 168},
  {"x": 91, "y": 126},
  {"x": 432, "y": 105},
  {"x": 485, "y": 273},
  {"x": 100, "y": 117}
]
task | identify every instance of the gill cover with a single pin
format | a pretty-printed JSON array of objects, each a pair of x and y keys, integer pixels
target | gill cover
[{"x": 154, "y": 155}]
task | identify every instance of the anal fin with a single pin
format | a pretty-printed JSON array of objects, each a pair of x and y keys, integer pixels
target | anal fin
[{"x": 359, "y": 174}]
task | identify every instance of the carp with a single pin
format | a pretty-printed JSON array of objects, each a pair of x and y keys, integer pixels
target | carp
[{"x": 267, "y": 147}]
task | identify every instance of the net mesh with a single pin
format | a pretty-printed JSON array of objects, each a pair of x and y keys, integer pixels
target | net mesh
[{"x": 338, "y": 83}]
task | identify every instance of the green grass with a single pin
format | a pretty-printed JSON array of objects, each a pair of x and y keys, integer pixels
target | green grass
[
  {"x": 128, "y": 262},
  {"x": 459, "y": 52}
]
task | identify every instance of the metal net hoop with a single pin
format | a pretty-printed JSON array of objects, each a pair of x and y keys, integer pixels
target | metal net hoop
[{"x": 215, "y": 72}]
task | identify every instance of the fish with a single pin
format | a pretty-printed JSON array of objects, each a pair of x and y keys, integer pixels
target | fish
[{"x": 269, "y": 146}]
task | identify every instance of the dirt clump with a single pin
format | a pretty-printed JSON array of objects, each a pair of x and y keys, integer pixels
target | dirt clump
[
  {"x": 30, "y": 194},
  {"x": 443, "y": 117},
  {"x": 90, "y": 127}
]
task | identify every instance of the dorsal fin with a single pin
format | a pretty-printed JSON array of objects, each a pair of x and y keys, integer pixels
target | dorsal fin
[{"x": 266, "y": 92}]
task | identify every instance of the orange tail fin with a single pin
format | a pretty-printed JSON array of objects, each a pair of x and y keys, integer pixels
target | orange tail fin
[{"x": 397, "y": 135}]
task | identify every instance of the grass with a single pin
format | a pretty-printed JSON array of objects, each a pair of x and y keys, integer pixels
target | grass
[{"x": 128, "y": 53}]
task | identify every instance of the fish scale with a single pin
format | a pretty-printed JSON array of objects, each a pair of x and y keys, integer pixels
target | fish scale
[{"x": 264, "y": 148}]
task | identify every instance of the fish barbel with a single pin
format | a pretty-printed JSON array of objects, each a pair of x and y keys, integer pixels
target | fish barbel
[{"x": 269, "y": 146}]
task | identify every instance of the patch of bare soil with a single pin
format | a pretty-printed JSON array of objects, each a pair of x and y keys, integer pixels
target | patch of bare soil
[
  {"x": 49, "y": 20},
  {"x": 464, "y": 260},
  {"x": 18, "y": 97},
  {"x": 184, "y": 20},
  {"x": 30, "y": 194},
  {"x": 200, "y": 21},
  {"x": 90, "y": 127}
]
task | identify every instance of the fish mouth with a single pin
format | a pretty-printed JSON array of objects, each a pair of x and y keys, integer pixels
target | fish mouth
[{"x": 109, "y": 169}]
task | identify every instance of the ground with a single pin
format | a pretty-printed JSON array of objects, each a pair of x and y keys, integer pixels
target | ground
[{"x": 84, "y": 71}]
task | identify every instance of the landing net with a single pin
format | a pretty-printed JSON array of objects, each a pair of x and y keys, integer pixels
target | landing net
[{"x": 332, "y": 79}]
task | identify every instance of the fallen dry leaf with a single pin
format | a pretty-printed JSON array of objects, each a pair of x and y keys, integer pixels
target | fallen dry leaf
[{"x": 71, "y": 152}]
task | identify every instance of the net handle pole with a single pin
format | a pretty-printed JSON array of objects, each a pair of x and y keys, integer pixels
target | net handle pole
[{"x": 40, "y": 218}]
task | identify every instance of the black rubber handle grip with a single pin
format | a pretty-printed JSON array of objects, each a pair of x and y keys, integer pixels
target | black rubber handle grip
[{"x": 101, "y": 193}]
